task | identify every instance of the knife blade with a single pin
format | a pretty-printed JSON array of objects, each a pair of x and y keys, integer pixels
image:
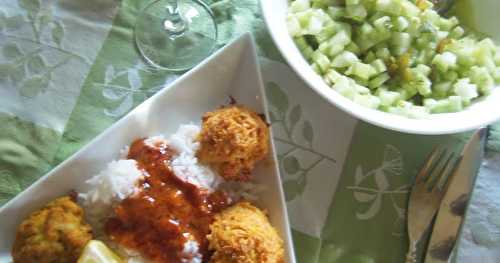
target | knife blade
[{"x": 453, "y": 206}]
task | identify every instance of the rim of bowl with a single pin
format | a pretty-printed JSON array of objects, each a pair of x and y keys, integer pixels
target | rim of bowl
[{"x": 437, "y": 124}]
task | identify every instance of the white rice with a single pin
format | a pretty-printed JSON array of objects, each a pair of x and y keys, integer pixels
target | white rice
[
  {"x": 119, "y": 181},
  {"x": 155, "y": 141},
  {"x": 113, "y": 184},
  {"x": 185, "y": 165},
  {"x": 109, "y": 187},
  {"x": 191, "y": 249}
]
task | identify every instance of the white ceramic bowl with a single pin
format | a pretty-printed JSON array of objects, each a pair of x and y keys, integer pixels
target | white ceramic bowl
[
  {"x": 232, "y": 71},
  {"x": 481, "y": 113}
]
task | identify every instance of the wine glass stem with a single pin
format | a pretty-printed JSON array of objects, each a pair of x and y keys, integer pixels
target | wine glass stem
[{"x": 174, "y": 23}]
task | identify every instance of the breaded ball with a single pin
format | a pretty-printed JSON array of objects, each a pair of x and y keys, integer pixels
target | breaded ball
[
  {"x": 232, "y": 140},
  {"x": 243, "y": 234},
  {"x": 56, "y": 233}
]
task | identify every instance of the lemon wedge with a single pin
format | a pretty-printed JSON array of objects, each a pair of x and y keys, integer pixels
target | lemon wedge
[{"x": 97, "y": 252}]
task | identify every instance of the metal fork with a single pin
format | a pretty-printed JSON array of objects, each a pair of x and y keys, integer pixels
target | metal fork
[{"x": 426, "y": 195}]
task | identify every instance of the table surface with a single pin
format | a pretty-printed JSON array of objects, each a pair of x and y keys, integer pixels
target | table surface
[{"x": 68, "y": 70}]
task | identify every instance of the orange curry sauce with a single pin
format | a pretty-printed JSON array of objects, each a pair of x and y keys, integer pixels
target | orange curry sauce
[{"x": 167, "y": 212}]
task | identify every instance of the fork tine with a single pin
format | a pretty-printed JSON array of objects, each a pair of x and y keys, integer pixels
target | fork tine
[
  {"x": 426, "y": 196},
  {"x": 428, "y": 164},
  {"x": 439, "y": 169},
  {"x": 450, "y": 172},
  {"x": 436, "y": 167}
]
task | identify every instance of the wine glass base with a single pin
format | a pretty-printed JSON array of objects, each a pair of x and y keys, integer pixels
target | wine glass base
[{"x": 175, "y": 51}]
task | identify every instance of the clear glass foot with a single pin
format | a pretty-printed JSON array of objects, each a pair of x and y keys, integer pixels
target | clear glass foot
[{"x": 175, "y": 35}]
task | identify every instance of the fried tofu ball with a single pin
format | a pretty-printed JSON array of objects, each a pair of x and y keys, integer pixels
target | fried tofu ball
[
  {"x": 243, "y": 234},
  {"x": 232, "y": 140},
  {"x": 56, "y": 233}
]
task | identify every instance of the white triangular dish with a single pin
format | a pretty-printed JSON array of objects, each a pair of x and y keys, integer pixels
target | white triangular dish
[{"x": 232, "y": 71}]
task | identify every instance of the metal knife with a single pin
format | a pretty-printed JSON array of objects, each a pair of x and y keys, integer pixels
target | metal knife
[{"x": 451, "y": 213}]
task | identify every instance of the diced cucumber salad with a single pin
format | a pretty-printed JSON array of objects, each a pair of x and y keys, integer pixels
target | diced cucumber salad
[{"x": 397, "y": 56}]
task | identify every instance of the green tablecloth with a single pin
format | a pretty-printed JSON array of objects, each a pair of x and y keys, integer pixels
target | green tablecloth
[{"x": 68, "y": 70}]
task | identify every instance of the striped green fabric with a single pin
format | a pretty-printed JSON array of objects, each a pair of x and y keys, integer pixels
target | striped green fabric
[{"x": 69, "y": 69}]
